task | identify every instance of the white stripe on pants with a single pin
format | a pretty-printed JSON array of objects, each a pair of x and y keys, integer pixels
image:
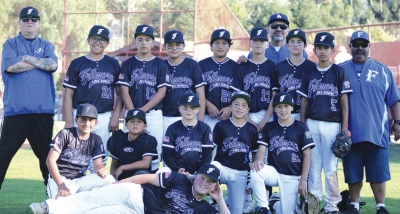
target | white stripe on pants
[
  {"x": 236, "y": 182},
  {"x": 288, "y": 188},
  {"x": 125, "y": 196},
  {"x": 322, "y": 157}
]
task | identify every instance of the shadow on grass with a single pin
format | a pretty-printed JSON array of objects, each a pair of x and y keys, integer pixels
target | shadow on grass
[{"x": 17, "y": 194}]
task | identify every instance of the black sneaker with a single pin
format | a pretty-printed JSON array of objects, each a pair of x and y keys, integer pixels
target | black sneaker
[
  {"x": 350, "y": 209},
  {"x": 264, "y": 210},
  {"x": 382, "y": 210}
]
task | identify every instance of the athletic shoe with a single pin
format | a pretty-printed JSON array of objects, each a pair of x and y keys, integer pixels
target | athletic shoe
[
  {"x": 274, "y": 198},
  {"x": 248, "y": 206},
  {"x": 264, "y": 210},
  {"x": 350, "y": 209},
  {"x": 382, "y": 210},
  {"x": 39, "y": 208}
]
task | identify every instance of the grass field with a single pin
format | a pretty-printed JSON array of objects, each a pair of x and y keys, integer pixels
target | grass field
[{"x": 24, "y": 185}]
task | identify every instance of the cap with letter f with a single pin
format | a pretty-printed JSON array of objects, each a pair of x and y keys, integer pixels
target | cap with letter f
[
  {"x": 189, "y": 98},
  {"x": 282, "y": 98},
  {"x": 210, "y": 170},
  {"x": 259, "y": 33},
  {"x": 144, "y": 30},
  {"x": 325, "y": 38},
  {"x": 135, "y": 113},
  {"x": 221, "y": 34},
  {"x": 174, "y": 36},
  {"x": 98, "y": 30},
  {"x": 359, "y": 35},
  {"x": 86, "y": 110},
  {"x": 29, "y": 11}
]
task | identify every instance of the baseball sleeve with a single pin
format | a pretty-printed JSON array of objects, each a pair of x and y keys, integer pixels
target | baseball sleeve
[
  {"x": 98, "y": 148},
  {"x": 302, "y": 89},
  {"x": 71, "y": 77},
  {"x": 207, "y": 145},
  {"x": 151, "y": 148}
]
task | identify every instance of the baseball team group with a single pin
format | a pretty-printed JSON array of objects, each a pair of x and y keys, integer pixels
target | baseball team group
[{"x": 265, "y": 120}]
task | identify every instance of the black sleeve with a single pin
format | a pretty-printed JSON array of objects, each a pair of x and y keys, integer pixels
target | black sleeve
[
  {"x": 167, "y": 155},
  {"x": 207, "y": 156}
]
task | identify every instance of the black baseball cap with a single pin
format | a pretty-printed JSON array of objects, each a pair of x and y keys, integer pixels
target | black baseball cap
[
  {"x": 145, "y": 30},
  {"x": 86, "y": 110},
  {"x": 278, "y": 17},
  {"x": 324, "y": 38},
  {"x": 259, "y": 33},
  {"x": 210, "y": 170},
  {"x": 101, "y": 31},
  {"x": 174, "y": 36},
  {"x": 283, "y": 98},
  {"x": 359, "y": 35},
  {"x": 189, "y": 99},
  {"x": 296, "y": 33},
  {"x": 241, "y": 94},
  {"x": 29, "y": 11},
  {"x": 135, "y": 113},
  {"x": 221, "y": 34}
]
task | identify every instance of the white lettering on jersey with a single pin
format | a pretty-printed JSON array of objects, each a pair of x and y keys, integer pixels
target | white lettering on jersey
[
  {"x": 174, "y": 35},
  {"x": 371, "y": 73},
  {"x": 322, "y": 38},
  {"x": 221, "y": 33},
  {"x": 30, "y": 11},
  {"x": 190, "y": 98},
  {"x": 99, "y": 31},
  {"x": 282, "y": 98},
  {"x": 259, "y": 32},
  {"x": 144, "y": 29}
]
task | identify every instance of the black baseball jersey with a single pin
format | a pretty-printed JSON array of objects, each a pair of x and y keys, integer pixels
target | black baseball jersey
[
  {"x": 288, "y": 76},
  {"x": 286, "y": 145},
  {"x": 218, "y": 77},
  {"x": 75, "y": 153},
  {"x": 127, "y": 151},
  {"x": 93, "y": 82},
  {"x": 255, "y": 79},
  {"x": 323, "y": 90},
  {"x": 184, "y": 77},
  {"x": 175, "y": 195},
  {"x": 143, "y": 78},
  {"x": 187, "y": 146},
  {"x": 235, "y": 143}
]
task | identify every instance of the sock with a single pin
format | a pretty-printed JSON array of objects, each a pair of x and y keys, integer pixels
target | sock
[
  {"x": 356, "y": 205},
  {"x": 379, "y": 205},
  {"x": 248, "y": 197}
]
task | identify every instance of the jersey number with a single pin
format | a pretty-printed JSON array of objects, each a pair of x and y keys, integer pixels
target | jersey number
[
  {"x": 150, "y": 93},
  {"x": 265, "y": 96},
  {"x": 106, "y": 92},
  {"x": 225, "y": 96},
  {"x": 333, "y": 104}
]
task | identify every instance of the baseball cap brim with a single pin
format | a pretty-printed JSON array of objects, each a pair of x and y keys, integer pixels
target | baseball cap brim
[
  {"x": 247, "y": 98},
  {"x": 29, "y": 15},
  {"x": 187, "y": 103},
  {"x": 277, "y": 103},
  {"x": 147, "y": 34},
  {"x": 108, "y": 39},
  {"x": 228, "y": 40},
  {"x": 324, "y": 44},
  {"x": 292, "y": 36},
  {"x": 127, "y": 118}
]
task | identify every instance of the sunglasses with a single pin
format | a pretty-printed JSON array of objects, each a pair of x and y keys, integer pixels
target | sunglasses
[
  {"x": 356, "y": 45},
  {"x": 282, "y": 26},
  {"x": 32, "y": 19}
]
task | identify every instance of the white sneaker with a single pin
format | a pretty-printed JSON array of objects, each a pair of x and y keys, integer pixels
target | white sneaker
[
  {"x": 39, "y": 208},
  {"x": 248, "y": 206}
]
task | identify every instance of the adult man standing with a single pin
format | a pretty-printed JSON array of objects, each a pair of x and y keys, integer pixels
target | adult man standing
[
  {"x": 27, "y": 67},
  {"x": 374, "y": 91}
]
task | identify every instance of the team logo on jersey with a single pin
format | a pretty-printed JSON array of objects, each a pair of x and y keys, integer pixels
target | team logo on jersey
[
  {"x": 346, "y": 84},
  {"x": 234, "y": 146},
  {"x": 180, "y": 82},
  {"x": 66, "y": 78},
  {"x": 57, "y": 140},
  {"x": 166, "y": 139},
  {"x": 144, "y": 29},
  {"x": 99, "y": 31},
  {"x": 121, "y": 76},
  {"x": 280, "y": 144},
  {"x": 75, "y": 157},
  {"x": 190, "y": 98},
  {"x": 128, "y": 149},
  {"x": 308, "y": 134},
  {"x": 371, "y": 73},
  {"x": 174, "y": 35},
  {"x": 295, "y": 32},
  {"x": 281, "y": 98},
  {"x": 259, "y": 32},
  {"x": 322, "y": 38},
  {"x": 30, "y": 11},
  {"x": 39, "y": 50},
  {"x": 289, "y": 83},
  {"x": 278, "y": 16},
  {"x": 185, "y": 145},
  {"x": 94, "y": 77},
  {"x": 319, "y": 88},
  {"x": 359, "y": 33},
  {"x": 210, "y": 170},
  {"x": 295, "y": 158},
  {"x": 138, "y": 77},
  {"x": 215, "y": 81},
  {"x": 254, "y": 80},
  {"x": 179, "y": 202},
  {"x": 221, "y": 33}
]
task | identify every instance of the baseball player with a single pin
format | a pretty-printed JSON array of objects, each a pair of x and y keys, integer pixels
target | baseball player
[
  {"x": 188, "y": 143},
  {"x": 91, "y": 79},
  {"x": 324, "y": 105},
  {"x": 235, "y": 138},
  {"x": 288, "y": 72},
  {"x": 289, "y": 143},
  {"x": 254, "y": 77},
  {"x": 184, "y": 75},
  {"x": 144, "y": 82},
  {"x": 132, "y": 152},
  {"x": 218, "y": 74},
  {"x": 167, "y": 192},
  {"x": 70, "y": 155}
]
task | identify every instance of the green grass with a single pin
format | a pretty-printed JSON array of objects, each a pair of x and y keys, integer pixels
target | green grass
[{"x": 24, "y": 185}]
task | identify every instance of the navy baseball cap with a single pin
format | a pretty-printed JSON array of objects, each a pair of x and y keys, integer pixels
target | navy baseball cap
[
  {"x": 278, "y": 17},
  {"x": 324, "y": 38},
  {"x": 359, "y": 35},
  {"x": 29, "y": 11},
  {"x": 241, "y": 94},
  {"x": 221, "y": 34},
  {"x": 189, "y": 99},
  {"x": 283, "y": 98},
  {"x": 174, "y": 36},
  {"x": 145, "y": 30},
  {"x": 296, "y": 33},
  {"x": 210, "y": 170},
  {"x": 101, "y": 31},
  {"x": 86, "y": 110},
  {"x": 136, "y": 113},
  {"x": 259, "y": 33}
]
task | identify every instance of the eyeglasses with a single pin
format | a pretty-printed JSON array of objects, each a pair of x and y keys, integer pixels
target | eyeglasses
[
  {"x": 95, "y": 40},
  {"x": 282, "y": 26},
  {"x": 356, "y": 45},
  {"x": 30, "y": 18}
]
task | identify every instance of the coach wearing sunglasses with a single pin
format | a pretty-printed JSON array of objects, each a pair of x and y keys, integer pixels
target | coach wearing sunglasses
[{"x": 27, "y": 66}]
